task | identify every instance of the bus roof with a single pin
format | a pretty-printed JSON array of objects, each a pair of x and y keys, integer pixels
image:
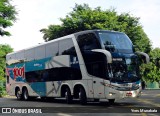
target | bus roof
[{"x": 64, "y": 37}]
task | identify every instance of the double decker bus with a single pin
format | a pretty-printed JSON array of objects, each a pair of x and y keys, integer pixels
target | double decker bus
[{"x": 92, "y": 64}]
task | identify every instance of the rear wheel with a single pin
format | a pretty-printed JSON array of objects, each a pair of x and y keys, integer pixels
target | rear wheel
[
  {"x": 25, "y": 94},
  {"x": 68, "y": 96},
  {"x": 18, "y": 94},
  {"x": 82, "y": 96}
]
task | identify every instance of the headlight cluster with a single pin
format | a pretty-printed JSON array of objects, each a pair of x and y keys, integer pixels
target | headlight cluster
[{"x": 134, "y": 87}]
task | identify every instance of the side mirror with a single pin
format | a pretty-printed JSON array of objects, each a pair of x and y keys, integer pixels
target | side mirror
[
  {"x": 145, "y": 55},
  {"x": 107, "y": 54}
]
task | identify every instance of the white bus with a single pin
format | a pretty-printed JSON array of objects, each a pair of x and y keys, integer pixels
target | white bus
[{"x": 92, "y": 64}]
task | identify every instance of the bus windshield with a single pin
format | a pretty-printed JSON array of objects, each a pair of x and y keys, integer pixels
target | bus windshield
[
  {"x": 124, "y": 67},
  {"x": 125, "y": 70},
  {"x": 116, "y": 42}
]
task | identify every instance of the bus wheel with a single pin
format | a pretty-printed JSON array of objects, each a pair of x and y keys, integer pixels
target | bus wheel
[
  {"x": 111, "y": 101},
  {"x": 82, "y": 96},
  {"x": 96, "y": 100},
  {"x": 18, "y": 94},
  {"x": 68, "y": 96},
  {"x": 25, "y": 94}
]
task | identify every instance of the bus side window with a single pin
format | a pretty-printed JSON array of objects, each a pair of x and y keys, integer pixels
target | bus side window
[
  {"x": 93, "y": 61},
  {"x": 88, "y": 42},
  {"x": 66, "y": 47},
  {"x": 52, "y": 49}
]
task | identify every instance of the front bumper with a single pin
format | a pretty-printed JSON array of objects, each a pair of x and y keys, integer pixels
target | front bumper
[{"x": 116, "y": 94}]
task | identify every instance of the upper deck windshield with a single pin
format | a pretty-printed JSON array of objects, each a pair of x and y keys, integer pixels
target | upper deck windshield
[{"x": 116, "y": 42}]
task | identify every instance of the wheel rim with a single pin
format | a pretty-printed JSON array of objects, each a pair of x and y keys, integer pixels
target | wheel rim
[
  {"x": 66, "y": 94},
  {"x": 80, "y": 95},
  {"x": 18, "y": 94},
  {"x": 25, "y": 95}
]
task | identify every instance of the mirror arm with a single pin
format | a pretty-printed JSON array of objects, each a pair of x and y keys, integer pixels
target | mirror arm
[
  {"x": 107, "y": 53},
  {"x": 143, "y": 54}
]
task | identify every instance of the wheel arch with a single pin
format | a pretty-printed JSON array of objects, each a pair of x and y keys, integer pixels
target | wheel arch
[
  {"x": 25, "y": 87},
  {"x": 63, "y": 89},
  {"x": 76, "y": 89},
  {"x": 16, "y": 89}
]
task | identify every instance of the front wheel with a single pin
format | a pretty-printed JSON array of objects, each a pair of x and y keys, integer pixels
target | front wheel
[
  {"x": 25, "y": 95},
  {"x": 82, "y": 96}
]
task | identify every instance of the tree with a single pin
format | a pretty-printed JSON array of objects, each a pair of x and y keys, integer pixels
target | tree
[
  {"x": 7, "y": 16},
  {"x": 151, "y": 71},
  {"x": 84, "y": 18},
  {"x": 4, "y": 49},
  {"x": 155, "y": 56}
]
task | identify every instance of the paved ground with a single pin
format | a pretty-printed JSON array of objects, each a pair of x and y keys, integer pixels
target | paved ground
[{"x": 150, "y": 100}]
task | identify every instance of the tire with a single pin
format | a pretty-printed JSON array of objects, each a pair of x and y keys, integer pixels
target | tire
[
  {"x": 82, "y": 97},
  {"x": 25, "y": 94},
  {"x": 18, "y": 94},
  {"x": 68, "y": 96},
  {"x": 44, "y": 98},
  {"x": 96, "y": 100},
  {"x": 111, "y": 101}
]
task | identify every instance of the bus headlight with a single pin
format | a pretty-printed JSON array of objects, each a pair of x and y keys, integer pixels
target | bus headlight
[{"x": 111, "y": 93}]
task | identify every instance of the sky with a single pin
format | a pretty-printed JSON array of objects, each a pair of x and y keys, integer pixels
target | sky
[{"x": 34, "y": 15}]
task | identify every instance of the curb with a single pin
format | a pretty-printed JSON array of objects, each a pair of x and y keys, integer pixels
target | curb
[{"x": 7, "y": 96}]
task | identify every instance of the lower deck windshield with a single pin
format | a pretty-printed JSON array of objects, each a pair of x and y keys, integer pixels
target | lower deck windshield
[{"x": 124, "y": 70}]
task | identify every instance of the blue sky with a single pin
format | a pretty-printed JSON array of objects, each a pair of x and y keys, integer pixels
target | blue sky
[{"x": 34, "y": 15}]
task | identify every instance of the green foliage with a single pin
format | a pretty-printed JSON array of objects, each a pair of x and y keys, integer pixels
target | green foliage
[
  {"x": 84, "y": 18},
  {"x": 151, "y": 71},
  {"x": 155, "y": 56},
  {"x": 7, "y": 16},
  {"x": 4, "y": 49}
]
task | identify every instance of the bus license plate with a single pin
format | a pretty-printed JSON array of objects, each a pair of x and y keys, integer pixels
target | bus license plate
[{"x": 129, "y": 94}]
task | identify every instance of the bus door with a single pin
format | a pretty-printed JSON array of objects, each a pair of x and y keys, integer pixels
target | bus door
[
  {"x": 98, "y": 87},
  {"x": 98, "y": 80}
]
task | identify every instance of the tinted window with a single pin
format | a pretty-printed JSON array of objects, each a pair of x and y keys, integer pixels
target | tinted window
[
  {"x": 40, "y": 52},
  {"x": 54, "y": 74},
  {"x": 66, "y": 47},
  {"x": 20, "y": 55},
  {"x": 95, "y": 63},
  {"x": 88, "y": 42},
  {"x": 30, "y": 54},
  {"x": 52, "y": 49},
  {"x": 116, "y": 41}
]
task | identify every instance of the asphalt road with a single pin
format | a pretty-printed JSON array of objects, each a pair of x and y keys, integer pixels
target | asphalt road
[{"x": 146, "y": 105}]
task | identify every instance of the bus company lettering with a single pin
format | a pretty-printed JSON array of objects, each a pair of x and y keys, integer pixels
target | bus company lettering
[{"x": 18, "y": 72}]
